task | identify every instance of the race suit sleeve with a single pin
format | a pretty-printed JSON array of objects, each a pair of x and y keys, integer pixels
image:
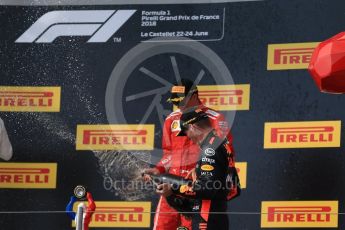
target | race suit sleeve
[
  {"x": 164, "y": 162},
  {"x": 210, "y": 171},
  {"x": 5, "y": 144},
  {"x": 223, "y": 130}
]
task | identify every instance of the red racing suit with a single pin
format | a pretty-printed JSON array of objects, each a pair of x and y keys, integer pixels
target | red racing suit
[{"x": 180, "y": 155}]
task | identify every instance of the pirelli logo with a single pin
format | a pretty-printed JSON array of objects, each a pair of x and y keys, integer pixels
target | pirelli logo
[
  {"x": 225, "y": 97},
  {"x": 242, "y": 173},
  {"x": 290, "y": 56},
  {"x": 120, "y": 214},
  {"x": 29, "y": 99},
  {"x": 28, "y": 175},
  {"x": 299, "y": 214},
  {"x": 311, "y": 134},
  {"x": 115, "y": 137}
]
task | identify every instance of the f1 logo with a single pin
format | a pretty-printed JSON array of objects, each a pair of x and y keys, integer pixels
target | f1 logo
[{"x": 100, "y": 24}]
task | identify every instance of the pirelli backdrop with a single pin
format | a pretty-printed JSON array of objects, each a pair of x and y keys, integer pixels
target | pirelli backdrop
[{"x": 83, "y": 91}]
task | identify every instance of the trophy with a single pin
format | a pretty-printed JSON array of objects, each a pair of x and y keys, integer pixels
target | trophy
[
  {"x": 84, "y": 212},
  {"x": 80, "y": 192}
]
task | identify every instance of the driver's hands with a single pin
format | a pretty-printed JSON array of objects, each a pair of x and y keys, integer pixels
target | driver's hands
[
  {"x": 150, "y": 171},
  {"x": 164, "y": 189},
  {"x": 191, "y": 175}
]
